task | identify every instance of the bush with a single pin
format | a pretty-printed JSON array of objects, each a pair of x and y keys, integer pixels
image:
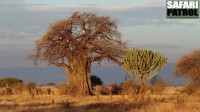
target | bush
[
  {"x": 103, "y": 90},
  {"x": 190, "y": 89},
  {"x": 29, "y": 86},
  {"x": 180, "y": 102},
  {"x": 115, "y": 89},
  {"x": 130, "y": 88},
  {"x": 50, "y": 84},
  {"x": 62, "y": 88},
  {"x": 95, "y": 80},
  {"x": 17, "y": 88},
  {"x": 67, "y": 89},
  {"x": 9, "y": 81},
  {"x": 157, "y": 85}
]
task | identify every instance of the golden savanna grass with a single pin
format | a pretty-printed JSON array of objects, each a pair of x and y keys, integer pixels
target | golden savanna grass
[{"x": 170, "y": 101}]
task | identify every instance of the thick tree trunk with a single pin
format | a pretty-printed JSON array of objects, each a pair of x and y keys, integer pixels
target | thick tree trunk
[{"x": 79, "y": 77}]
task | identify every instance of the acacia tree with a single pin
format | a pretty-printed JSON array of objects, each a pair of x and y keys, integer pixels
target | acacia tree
[
  {"x": 142, "y": 65},
  {"x": 189, "y": 66},
  {"x": 95, "y": 80},
  {"x": 74, "y": 43}
]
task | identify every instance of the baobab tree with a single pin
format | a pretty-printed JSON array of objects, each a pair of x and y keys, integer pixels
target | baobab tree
[
  {"x": 74, "y": 43},
  {"x": 189, "y": 66}
]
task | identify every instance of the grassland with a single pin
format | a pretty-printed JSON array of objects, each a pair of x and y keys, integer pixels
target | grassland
[{"x": 170, "y": 101}]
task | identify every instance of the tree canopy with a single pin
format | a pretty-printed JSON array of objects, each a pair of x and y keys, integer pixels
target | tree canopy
[
  {"x": 9, "y": 81},
  {"x": 83, "y": 35},
  {"x": 95, "y": 80},
  {"x": 141, "y": 65},
  {"x": 189, "y": 66}
]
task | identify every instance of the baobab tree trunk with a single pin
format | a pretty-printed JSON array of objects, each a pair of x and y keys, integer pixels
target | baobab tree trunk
[{"x": 79, "y": 77}]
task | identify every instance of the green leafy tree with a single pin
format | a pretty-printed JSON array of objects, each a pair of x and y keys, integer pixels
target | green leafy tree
[
  {"x": 96, "y": 80},
  {"x": 141, "y": 65},
  {"x": 9, "y": 81},
  {"x": 78, "y": 41}
]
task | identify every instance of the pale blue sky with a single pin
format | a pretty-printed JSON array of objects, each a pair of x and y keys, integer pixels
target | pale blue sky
[{"x": 141, "y": 21}]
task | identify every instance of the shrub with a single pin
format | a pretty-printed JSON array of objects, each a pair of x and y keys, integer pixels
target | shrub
[
  {"x": 157, "y": 85},
  {"x": 190, "y": 89},
  {"x": 50, "y": 84},
  {"x": 8, "y": 81},
  {"x": 103, "y": 90},
  {"x": 115, "y": 89},
  {"x": 29, "y": 86},
  {"x": 95, "y": 80},
  {"x": 62, "y": 88},
  {"x": 17, "y": 88},
  {"x": 180, "y": 102},
  {"x": 67, "y": 89},
  {"x": 8, "y": 91},
  {"x": 130, "y": 88}
]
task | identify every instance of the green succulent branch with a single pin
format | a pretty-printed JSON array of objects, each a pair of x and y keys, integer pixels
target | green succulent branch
[{"x": 143, "y": 64}]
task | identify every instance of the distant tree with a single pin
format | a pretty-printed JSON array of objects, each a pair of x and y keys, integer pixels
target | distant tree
[
  {"x": 141, "y": 65},
  {"x": 96, "y": 80},
  {"x": 50, "y": 84},
  {"x": 9, "y": 81},
  {"x": 76, "y": 42},
  {"x": 30, "y": 86},
  {"x": 189, "y": 66}
]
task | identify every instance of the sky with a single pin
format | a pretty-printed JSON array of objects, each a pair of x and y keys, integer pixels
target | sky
[{"x": 142, "y": 22}]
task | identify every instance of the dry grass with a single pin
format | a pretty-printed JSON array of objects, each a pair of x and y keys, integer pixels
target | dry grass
[{"x": 61, "y": 103}]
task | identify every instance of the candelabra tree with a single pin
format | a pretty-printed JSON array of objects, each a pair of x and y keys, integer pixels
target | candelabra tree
[{"x": 141, "y": 65}]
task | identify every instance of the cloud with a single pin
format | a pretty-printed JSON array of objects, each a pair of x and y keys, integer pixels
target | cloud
[
  {"x": 146, "y": 13},
  {"x": 135, "y": 14},
  {"x": 5, "y": 32},
  {"x": 22, "y": 23}
]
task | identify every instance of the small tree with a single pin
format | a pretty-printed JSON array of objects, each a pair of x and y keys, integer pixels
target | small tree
[
  {"x": 142, "y": 65},
  {"x": 96, "y": 80},
  {"x": 189, "y": 66}
]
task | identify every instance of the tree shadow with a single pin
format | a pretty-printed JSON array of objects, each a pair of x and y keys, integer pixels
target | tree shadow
[
  {"x": 10, "y": 106},
  {"x": 70, "y": 107}
]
